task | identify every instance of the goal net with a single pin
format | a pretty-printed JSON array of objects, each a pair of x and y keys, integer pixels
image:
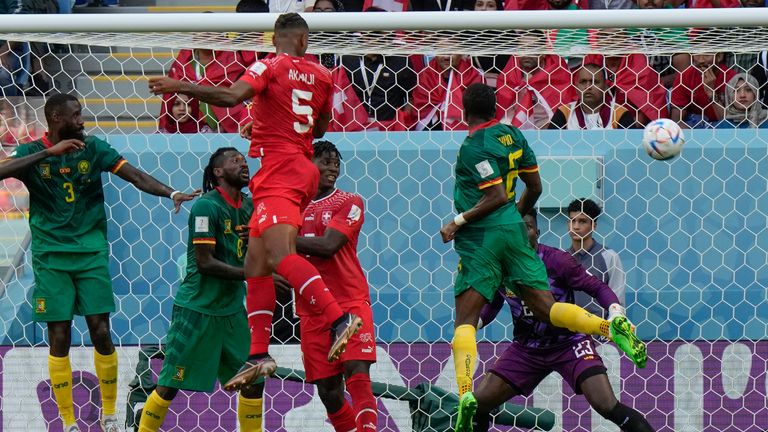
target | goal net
[{"x": 689, "y": 239}]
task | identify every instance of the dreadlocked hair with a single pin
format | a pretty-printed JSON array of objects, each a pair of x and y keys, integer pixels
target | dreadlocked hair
[
  {"x": 321, "y": 147},
  {"x": 209, "y": 180}
]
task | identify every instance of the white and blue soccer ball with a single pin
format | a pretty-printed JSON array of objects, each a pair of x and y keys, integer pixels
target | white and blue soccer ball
[{"x": 663, "y": 139}]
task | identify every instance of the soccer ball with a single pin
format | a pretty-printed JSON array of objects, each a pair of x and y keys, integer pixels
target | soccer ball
[{"x": 663, "y": 139}]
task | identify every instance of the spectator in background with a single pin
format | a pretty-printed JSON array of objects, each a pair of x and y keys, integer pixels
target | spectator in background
[
  {"x": 15, "y": 68},
  {"x": 635, "y": 85},
  {"x": 491, "y": 66},
  {"x": 611, "y": 4},
  {"x": 742, "y": 109},
  {"x": 697, "y": 96},
  {"x": 21, "y": 65},
  {"x": 666, "y": 65},
  {"x": 213, "y": 68},
  {"x": 545, "y": 4},
  {"x": 531, "y": 88},
  {"x": 252, "y": 6},
  {"x": 180, "y": 114},
  {"x": 595, "y": 107},
  {"x": 440, "y": 87},
  {"x": 596, "y": 259},
  {"x": 330, "y": 61}
]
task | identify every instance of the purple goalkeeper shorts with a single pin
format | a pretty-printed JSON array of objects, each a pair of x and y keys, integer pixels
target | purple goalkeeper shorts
[{"x": 525, "y": 367}]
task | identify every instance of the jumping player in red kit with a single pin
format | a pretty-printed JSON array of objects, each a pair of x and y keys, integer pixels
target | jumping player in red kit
[
  {"x": 291, "y": 105},
  {"x": 329, "y": 236}
]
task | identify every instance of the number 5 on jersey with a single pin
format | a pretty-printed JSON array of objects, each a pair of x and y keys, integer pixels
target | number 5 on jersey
[{"x": 296, "y": 98}]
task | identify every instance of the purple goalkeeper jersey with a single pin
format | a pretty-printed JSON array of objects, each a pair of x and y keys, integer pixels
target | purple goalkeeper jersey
[{"x": 565, "y": 277}]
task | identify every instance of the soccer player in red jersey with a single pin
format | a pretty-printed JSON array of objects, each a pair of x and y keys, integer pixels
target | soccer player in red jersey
[
  {"x": 292, "y": 99},
  {"x": 329, "y": 235}
]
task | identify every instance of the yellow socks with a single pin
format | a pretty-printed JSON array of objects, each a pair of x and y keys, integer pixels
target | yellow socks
[
  {"x": 153, "y": 414},
  {"x": 249, "y": 413},
  {"x": 106, "y": 371},
  {"x": 464, "y": 355},
  {"x": 576, "y": 319},
  {"x": 60, "y": 371}
]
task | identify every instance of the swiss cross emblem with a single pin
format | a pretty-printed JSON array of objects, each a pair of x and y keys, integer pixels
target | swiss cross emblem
[{"x": 326, "y": 217}]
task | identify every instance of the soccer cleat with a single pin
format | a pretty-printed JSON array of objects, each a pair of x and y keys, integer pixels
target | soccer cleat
[
  {"x": 251, "y": 371},
  {"x": 624, "y": 338},
  {"x": 341, "y": 333},
  {"x": 467, "y": 408},
  {"x": 109, "y": 424},
  {"x": 72, "y": 428}
]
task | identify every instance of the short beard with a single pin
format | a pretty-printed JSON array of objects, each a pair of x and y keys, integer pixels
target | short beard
[{"x": 72, "y": 134}]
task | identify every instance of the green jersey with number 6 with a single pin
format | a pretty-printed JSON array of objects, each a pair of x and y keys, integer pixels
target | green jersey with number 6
[
  {"x": 66, "y": 196},
  {"x": 492, "y": 153},
  {"x": 213, "y": 221}
]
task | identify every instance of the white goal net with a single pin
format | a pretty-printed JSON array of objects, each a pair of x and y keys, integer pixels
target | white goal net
[{"x": 690, "y": 233}]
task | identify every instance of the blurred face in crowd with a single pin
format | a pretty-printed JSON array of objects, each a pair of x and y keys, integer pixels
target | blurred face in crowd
[
  {"x": 753, "y": 3},
  {"x": 446, "y": 61},
  {"x": 590, "y": 83},
  {"x": 324, "y": 6},
  {"x": 559, "y": 4},
  {"x": 486, "y": 5},
  {"x": 580, "y": 226},
  {"x": 703, "y": 61},
  {"x": 528, "y": 63},
  {"x": 745, "y": 96},
  {"x": 180, "y": 109},
  {"x": 650, "y": 4}
]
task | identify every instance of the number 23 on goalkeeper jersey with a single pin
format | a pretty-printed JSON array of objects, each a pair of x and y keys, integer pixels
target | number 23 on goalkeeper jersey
[{"x": 492, "y": 153}]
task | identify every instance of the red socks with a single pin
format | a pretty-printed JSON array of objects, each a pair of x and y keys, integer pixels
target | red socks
[
  {"x": 308, "y": 284},
  {"x": 343, "y": 420},
  {"x": 359, "y": 387},
  {"x": 260, "y": 304}
]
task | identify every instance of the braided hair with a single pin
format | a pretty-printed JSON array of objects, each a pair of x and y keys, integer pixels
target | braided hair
[
  {"x": 209, "y": 179},
  {"x": 321, "y": 147}
]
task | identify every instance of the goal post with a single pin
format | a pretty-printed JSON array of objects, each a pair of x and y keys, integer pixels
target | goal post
[{"x": 689, "y": 233}]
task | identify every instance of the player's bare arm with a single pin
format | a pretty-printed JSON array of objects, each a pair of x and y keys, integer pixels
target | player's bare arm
[
  {"x": 531, "y": 193},
  {"x": 219, "y": 96},
  {"x": 321, "y": 125},
  {"x": 493, "y": 198},
  {"x": 146, "y": 183},
  {"x": 322, "y": 247},
  {"x": 11, "y": 167},
  {"x": 209, "y": 265}
]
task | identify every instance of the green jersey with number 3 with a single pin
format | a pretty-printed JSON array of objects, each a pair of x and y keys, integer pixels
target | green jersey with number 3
[
  {"x": 213, "y": 221},
  {"x": 66, "y": 196},
  {"x": 492, "y": 154}
]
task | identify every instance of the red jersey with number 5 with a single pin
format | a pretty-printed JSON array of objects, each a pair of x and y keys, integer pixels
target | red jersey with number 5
[
  {"x": 342, "y": 273},
  {"x": 290, "y": 93}
]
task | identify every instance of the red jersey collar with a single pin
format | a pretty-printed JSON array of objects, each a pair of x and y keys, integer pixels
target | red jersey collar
[
  {"x": 482, "y": 126},
  {"x": 46, "y": 142},
  {"x": 228, "y": 199}
]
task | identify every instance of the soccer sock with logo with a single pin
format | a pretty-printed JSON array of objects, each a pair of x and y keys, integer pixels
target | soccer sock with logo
[
  {"x": 359, "y": 387},
  {"x": 308, "y": 284},
  {"x": 106, "y": 371},
  {"x": 249, "y": 413},
  {"x": 464, "y": 355},
  {"x": 343, "y": 420},
  {"x": 578, "y": 320},
  {"x": 628, "y": 419},
  {"x": 153, "y": 413},
  {"x": 260, "y": 303},
  {"x": 60, "y": 371}
]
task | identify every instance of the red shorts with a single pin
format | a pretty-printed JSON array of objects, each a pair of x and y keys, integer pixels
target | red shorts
[
  {"x": 316, "y": 342},
  {"x": 281, "y": 190}
]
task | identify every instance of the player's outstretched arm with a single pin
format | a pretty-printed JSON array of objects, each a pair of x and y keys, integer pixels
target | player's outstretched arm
[
  {"x": 146, "y": 183},
  {"x": 209, "y": 265},
  {"x": 12, "y": 166},
  {"x": 531, "y": 193},
  {"x": 493, "y": 197},
  {"x": 321, "y": 125},
  {"x": 219, "y": 96},
  {"x": 322, "y": 247}
]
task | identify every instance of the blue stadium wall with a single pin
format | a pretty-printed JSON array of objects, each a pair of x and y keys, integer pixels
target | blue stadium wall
[{"x": 691, "y": 232}]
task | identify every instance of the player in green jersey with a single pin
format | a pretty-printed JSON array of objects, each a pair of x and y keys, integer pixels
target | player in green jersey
[
  {"x": 209, "y": 337},
  {"x": 492, "y": 243},
  {"x": 70, "y": 252}
]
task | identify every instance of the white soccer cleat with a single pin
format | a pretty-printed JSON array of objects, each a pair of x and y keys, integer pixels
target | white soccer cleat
[{"x": 108, "y": 424}]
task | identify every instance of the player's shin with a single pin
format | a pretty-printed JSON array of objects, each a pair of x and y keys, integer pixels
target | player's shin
[
  {"x": 464, "y": 355},
  {"x": 308, "y": 284},
  {"x": 628, "y": 419},
  {"x": 343, "y": 420},
  {"x": 60, "y": 371},
  {"x": 576, "y": 319},
  {"x": 153, "y": 413},
  {"x": 249, "y": 413},
  {"x": 260, "y": 304},
  {"x": 363, "y": 402},
  {"x": 481, "y": 422},
  {"x": 106, "y": 371}
]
